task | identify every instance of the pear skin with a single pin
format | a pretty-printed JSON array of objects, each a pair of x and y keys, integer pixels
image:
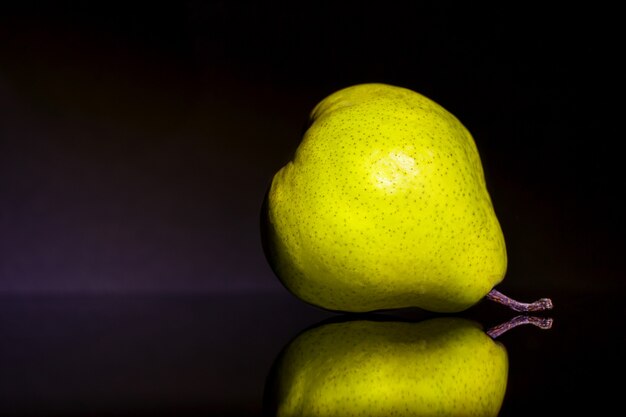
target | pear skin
[
  {"x": 442, "y": 366},
  {"x": 384, "y": 206}
]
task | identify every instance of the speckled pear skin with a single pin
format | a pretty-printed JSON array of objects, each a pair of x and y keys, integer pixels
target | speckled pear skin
[
  {"x": 384, "y": 206},
  {"x": 438, "y": 367}
]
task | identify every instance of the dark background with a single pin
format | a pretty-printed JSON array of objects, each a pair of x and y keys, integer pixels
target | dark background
[{"x": 137, "y": 142}]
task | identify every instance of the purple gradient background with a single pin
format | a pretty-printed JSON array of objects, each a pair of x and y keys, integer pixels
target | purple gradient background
[{"x": 137, "y": 142}]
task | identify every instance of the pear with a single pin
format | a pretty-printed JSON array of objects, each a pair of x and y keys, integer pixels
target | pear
[
  {"x": 442, "y": 366},
  {"x": 384, "y": 206}
]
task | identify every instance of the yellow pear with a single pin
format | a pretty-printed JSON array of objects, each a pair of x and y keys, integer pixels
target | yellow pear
[
  {"x": 384, "y": 206},
  {"x": 438, "y": 367}
]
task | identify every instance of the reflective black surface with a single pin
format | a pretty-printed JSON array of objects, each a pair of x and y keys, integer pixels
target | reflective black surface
[{"x": 211, "y": 355}]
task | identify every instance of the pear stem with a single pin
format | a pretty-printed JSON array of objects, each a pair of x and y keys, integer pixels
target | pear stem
[
  {"x": 539, "y": 305},
  {"x": 541, "y": 322}
]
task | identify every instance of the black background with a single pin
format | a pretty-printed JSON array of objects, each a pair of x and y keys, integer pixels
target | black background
[{"x": 137, "y": 142}]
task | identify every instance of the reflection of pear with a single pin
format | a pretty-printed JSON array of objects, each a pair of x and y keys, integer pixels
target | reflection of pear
[{"x": 442, "y": 366}]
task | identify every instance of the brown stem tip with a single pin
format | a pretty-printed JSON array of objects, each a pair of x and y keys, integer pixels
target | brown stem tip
[{"x": 539, "y": 305}]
